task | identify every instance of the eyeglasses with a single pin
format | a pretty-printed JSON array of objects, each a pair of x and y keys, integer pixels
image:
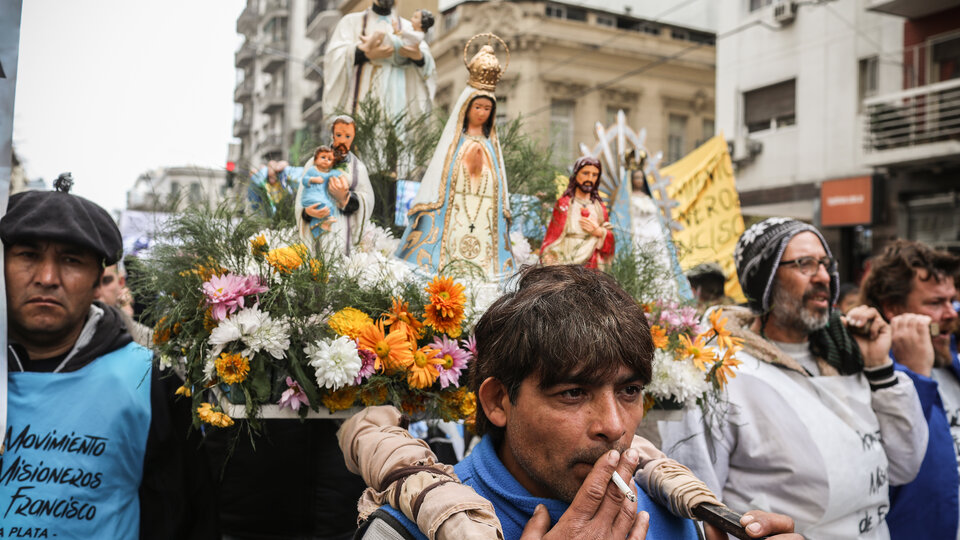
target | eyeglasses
[{"x": 809, "y": 266}]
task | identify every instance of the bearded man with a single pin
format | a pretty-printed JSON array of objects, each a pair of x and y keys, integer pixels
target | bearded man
[
  {"x": 913, "y": 286},
  {"x": 817, "y": 424}
]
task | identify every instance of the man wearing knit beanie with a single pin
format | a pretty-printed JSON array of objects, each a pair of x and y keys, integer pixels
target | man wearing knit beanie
[{"x": 816, "y": 425}]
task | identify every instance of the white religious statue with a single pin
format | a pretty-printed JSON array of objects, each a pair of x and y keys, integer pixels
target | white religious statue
[
  {"x": 350, "y": 190},
  {"x": 461, "y": 213},
  {"x": 367, "y": 55}
]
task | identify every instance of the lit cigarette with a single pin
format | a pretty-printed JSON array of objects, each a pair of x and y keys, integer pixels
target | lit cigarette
[{"x": 624, "y": 488}]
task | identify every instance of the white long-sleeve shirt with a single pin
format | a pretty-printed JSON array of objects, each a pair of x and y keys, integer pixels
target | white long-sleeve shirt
[{"x": 820, "y": 449}]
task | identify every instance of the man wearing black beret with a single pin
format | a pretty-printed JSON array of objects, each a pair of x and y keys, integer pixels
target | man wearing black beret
[{"x": 94, "y": 446}]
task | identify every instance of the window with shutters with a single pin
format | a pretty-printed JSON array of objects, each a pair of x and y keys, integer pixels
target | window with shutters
[{"x": 770, "y": 107}]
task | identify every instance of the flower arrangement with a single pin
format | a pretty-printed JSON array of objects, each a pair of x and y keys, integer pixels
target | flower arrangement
[
  {"x": 250, "y": 316},
  {"x": 690, "y": 361}
]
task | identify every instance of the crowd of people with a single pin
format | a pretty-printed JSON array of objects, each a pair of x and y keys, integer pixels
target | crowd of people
[{"x": 839, "y": 424}]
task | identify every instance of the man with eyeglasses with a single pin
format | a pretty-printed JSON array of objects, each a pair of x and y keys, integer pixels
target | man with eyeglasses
[
  {"x": 913, "y": 286},
  {"x": 817, "y": 424}
]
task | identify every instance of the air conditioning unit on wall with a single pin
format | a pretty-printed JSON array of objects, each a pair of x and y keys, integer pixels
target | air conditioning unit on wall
[{"x": 784, "y": 11}]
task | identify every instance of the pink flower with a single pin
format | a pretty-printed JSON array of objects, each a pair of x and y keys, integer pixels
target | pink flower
[
  {"x": 294, "y": 397},
  {"x": 225, "y": 293},
  {"x": 454, "y": 360},
  {"x": 367, "y": 368},
  {"x": 471, "y": 345}
]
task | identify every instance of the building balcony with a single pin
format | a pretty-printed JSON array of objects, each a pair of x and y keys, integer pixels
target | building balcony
[
  {"x": 322, "y": 19},
  {"x": 913, "y": 127},
  {"x": 274, "y": 56},
  {"x": 911, "y": 9},
  {"x": 247, "y": 21},
  {"x": 244, "y": 55},
  {"x": 313, "y": 65},
  {"x": 275, "y": 8},
  {"x": 313, "y": 107},
  {"x": 244, "y": 91},
  {"x": 241, "y": 126},
  {"x": 271, "y": 145},
  {"x": 272, "y": 100}
]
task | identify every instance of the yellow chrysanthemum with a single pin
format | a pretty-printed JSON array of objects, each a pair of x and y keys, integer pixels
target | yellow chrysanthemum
[
  {"x": 214, "y": 416},
  {"x": 286, "y": 259},
  {"x": 393, "y": 351},
  {"x": 400, "y": 313},
  {"x": 349, "y": 322},
  {"x": 371, "y": 396},
  {"x": 659, "y": 336},
  {"x": 232, "y": 368},
  {"x": 423, "y": 371},
  {"x": 184, "y": 391},
  {"x": 258, "y": 245},
  {"x": 701, "y": 354},
  {"x": 445, "y": 311},
  {"x": 340, "y": 400}
]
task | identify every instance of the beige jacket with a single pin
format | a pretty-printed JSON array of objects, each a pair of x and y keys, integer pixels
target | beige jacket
[{"x": 402, "y": 471}]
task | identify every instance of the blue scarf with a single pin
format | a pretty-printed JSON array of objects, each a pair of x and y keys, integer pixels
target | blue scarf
[{"x": 484, "y": 472}]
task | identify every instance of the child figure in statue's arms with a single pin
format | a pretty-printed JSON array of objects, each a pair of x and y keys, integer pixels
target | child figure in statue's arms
[{"x": 315, "y": 189}]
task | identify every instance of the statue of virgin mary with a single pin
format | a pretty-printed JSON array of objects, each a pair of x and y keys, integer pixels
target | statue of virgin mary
[{"x": 461, "y": 214}]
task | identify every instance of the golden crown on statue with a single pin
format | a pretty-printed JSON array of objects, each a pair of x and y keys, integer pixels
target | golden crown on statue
[{"x": 484, "y": 67}]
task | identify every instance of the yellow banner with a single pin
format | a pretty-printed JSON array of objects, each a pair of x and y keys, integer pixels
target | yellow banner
[{"x": 709, "y": 210}]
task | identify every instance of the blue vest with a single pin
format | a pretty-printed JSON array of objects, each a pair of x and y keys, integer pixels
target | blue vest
[
  {"x": 927, "y": 506},
  {"x": 484, "y": 472},
  {"x": 74, "y": 449}
]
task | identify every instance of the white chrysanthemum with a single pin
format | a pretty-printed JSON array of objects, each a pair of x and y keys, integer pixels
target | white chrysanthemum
[
  {"x": 377, "y": 271},
  {"x": 209, "y": 369},
  {"x": 680, "y": 381},
  {"x": 522, "y": 254},
  {"x": 376, "y": 239},
  {"x": 227, "y": 331},
  {"x": 337, "y": 362},
  {"x": 256, "y": 329}
]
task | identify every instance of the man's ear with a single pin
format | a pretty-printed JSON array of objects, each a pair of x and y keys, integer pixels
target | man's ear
[
  {"x": 889, "y": 311},
  {"x": 495, "y": 401}
]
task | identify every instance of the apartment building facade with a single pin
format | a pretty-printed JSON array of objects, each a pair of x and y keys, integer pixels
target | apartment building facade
[
  {"x": 279, "y": 74},
  {"x": 575, "y": 64},
  {"x": 792, "y": 79},
  {"x": 912, "y": 133}
]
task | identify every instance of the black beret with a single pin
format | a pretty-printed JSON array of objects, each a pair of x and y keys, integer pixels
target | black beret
[{"x": 61, "y": 217}]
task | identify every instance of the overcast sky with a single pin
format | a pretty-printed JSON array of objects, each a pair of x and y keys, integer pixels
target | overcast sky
[{"x": 108, "y": 89}]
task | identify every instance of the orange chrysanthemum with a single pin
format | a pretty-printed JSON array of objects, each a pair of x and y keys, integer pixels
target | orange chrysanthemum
[
  {"x": 701, "y": 354},
  {"x": 659, "y": 336},
  {"x": 400, "y": 313},
  {"x": 423, "y": 371},
  {"x": 393, "y": 350},
  {"x": 232, "y": 368},
  {"x": 723, "y": 370},
  {"x": 445, "y": 311},
  {"x": 349, "y": 322},
  {"x": 724, "y": 340}
]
